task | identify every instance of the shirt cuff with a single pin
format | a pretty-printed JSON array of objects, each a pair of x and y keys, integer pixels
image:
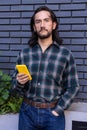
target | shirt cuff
[
  {"x": 20, "y": 85},
  {"x": 58, "y": 109}
]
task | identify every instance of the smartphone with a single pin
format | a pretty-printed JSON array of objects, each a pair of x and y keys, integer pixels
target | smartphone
[{"x": 23, "y": 69}]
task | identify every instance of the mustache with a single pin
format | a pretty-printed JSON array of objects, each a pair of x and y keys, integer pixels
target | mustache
[{"x": 43, "y": 29}]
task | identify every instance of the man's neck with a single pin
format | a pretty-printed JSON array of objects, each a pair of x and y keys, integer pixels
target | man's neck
[{"x": 44, "y": 43}]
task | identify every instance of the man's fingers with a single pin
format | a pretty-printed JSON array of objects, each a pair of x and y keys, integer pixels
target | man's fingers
[{"x": 22, "y": 78}]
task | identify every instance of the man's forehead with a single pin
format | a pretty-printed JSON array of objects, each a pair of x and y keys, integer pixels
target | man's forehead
[{"x": 42, "y": 14}]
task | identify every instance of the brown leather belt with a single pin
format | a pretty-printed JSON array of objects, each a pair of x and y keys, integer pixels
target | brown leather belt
[{"x": 40, "y": 105}]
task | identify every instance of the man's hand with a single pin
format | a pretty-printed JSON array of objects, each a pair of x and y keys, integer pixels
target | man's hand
[
  {"x": 55, "y": 113},
  {"x": 22, "y": 78}
]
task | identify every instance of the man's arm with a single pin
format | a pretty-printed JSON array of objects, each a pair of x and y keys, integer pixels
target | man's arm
[{"x": 70, "y": 84}]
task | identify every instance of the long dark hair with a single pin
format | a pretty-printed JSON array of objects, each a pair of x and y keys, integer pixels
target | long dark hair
[{"x": 55, "y": 35}]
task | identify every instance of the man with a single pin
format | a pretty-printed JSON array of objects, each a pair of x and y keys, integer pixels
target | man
[{"x": 54, "y": 81}]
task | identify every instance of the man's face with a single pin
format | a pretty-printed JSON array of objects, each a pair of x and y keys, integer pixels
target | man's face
[{"x": 43, "y": 24}]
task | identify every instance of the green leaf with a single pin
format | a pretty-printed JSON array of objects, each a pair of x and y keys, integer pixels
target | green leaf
[
  {"x": 6, "y": 77},
  {"x": 5, "y": 95},
  {"x": 12, "y": 106},
  {"x": 1, "y": 89},
  {"x": 1, "y": 73},
  {"x": 1, "y": 101},
  {"x": 8, "y": 103}
]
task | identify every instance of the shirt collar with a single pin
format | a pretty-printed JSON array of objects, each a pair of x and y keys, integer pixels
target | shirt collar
[{"x": 54, "y": 43}]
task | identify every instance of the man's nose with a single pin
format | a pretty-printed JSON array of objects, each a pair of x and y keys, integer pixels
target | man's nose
[{"x": 42, "y": 23}]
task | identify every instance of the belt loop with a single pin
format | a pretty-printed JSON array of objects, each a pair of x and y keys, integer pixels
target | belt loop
[{"x": 48, "y": 104}]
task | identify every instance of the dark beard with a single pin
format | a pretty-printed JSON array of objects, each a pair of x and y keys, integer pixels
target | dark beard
[{"x": 44, "y": 36}]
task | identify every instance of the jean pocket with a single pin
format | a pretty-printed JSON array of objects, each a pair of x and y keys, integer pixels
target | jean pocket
[{"x": 50, "y": 111}]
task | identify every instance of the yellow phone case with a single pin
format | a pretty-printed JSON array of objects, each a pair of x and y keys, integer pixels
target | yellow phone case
[{"x": 23, "y": 69}]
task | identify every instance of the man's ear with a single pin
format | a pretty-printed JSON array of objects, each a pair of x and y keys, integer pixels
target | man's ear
[{"x": 54, "y": 25}]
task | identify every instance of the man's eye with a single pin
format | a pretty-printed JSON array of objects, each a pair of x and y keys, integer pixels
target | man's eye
[
  {"x": 38, "y": 21},
  {"x": 47, "y": 20}
]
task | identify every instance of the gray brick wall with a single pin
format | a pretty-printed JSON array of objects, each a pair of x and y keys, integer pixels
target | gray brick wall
[{"x": 15, "y": 31}]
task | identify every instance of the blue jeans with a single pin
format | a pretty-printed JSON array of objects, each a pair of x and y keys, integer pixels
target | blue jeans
[{"x": 32, "y": 118}]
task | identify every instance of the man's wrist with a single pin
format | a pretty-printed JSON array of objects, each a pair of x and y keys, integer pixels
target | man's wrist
[{"x": 20, "y": 85}]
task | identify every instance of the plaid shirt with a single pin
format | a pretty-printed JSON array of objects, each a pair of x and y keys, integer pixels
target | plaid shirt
[{"x": 54, "y": 75}]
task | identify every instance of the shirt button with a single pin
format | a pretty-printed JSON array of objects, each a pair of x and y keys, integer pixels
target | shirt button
[
  {"x": 40, "y": 72},
  {"x": 38, "y": 84}
]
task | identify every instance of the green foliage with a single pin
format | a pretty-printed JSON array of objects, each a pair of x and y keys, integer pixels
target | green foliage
[{"x": 8, "y": 103}]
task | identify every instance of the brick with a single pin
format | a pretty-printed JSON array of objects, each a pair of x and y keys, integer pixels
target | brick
[
  {"x": 4, "y": 8},
  {"x": 85, "y": 89},
  {"x": 77, "y": 99},
  {"x": 79, "y": 27},
  {"x": 20, "y": 21},
  {"x": 79, "y": 1},
  {"x": 79, "y": 41},
  {"x": 19, "y": 34},
  {"x": 13, "y": 59},
  {"x": 79, "y": 13},
  {"x": 4, "y": 34},
  {"x": 66, "y": 41},
  {"x": 33, "y": 1},
  {"x": 58, "y": 1},
  {"x": 26, "y": 27},
  {"x": 81, "y": 87},
  {"x": 85, "y": 75},
  {"x": 17, "y": 47},
  {"x": 25, "y": 40},
  {"x": 4, "y": 21},
  {"x": 79, "y": 61},
  {"x": 82, "y": 95},
  {"x": 7, "y": 65},
  {"x": 9, "y": 14},
  {"x": 80, "y": 54},
  {"x": 82, "y": 68},
  {"x": 80, "y": 75},
  {"x": 10, "y": 40},
  {"x": 27, "y": 14},
  {"x": 83, "y": 82},
  {"x": 22, "y": 8},
  {"x": 62, "y": 13},
  {"x": 75, "y": 48},
  {"x": 9, "y": 53},
  {"x": 72, "y": 6},
  {"x": 71, "y": 20},
  {"x": 85, "y": 61},
  {"x": 9, "y": 27},
  {"x": 8, "y": 2},
  {"x": 4, "y": 47},
  {"x": 64, "y": 27},
  {"x": 4, "y": 59},
  {"x": 53, "y": 6},
  {"x": 72, "y": 34}
]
